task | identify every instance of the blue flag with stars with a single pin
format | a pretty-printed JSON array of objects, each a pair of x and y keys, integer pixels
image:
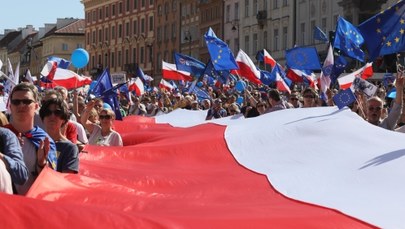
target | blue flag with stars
[
  {"x": 320, "y": 35},
  {"x": 344, "y": 98},
  {"x": 189, "y": 64},
  {"x": 221, "y": 55},
  {"x": 349, "y": 40},
  {"x": 384, "y": 32},
  {"x": 303, "y": 58}
]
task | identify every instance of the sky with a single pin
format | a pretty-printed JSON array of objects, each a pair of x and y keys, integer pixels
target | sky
[{"x": 19, "y": 13}]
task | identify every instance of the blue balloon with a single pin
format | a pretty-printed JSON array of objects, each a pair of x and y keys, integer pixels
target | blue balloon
[
  {"x": 199, "y": 84},
  {"x": 80, "y": 58},
  {"x": 240, "y": 85},
  {"x": 239, "y": 100}
]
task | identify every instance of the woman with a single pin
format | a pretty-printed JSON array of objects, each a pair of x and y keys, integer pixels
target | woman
[
  {"x": 55, "y": 114},
  {"x": 102, "y": 134}
]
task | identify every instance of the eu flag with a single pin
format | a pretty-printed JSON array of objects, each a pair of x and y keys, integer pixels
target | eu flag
[
  {"x": 339, "y": 67},
  {"x": 303, "y": 58},
  {"x": 222, "y": 76},
  {"x": 384, "y": 32},
  {"x": 221, "y": 55},
  {"x": 349, "y": 39},
  {"x": 320, "y": 35},
  {"x": 267, "y": 78},
  {"x": 189, "y": 64},
  {"x": 103, "y": 88},
  {"x": 344, "y": 98}
]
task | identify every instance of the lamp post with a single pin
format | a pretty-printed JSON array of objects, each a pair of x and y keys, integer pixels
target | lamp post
[
  {"x": 189, "y": 39},
  {"x": 235, "y": 27}
]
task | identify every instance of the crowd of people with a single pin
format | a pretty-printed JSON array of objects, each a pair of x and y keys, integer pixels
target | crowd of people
[{"x": 51, "y": 128}]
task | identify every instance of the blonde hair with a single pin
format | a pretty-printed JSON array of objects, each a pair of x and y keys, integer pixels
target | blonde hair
[
  {"x": 3, "y": 119},
  {"x": 109, "y": 112}
]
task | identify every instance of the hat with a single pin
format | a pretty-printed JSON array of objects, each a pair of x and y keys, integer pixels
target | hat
[{"x": 142, "y": 107}]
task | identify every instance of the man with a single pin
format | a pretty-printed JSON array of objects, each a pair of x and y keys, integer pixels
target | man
[
  {"x": 217, "y": 111},
  {"x": 12, "y": 166},
  {"x": 375, "y": 107},
  {"x": 38, "y": 148}
]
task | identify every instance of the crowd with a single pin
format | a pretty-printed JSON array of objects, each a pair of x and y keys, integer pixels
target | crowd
[{"x": 51, "y": 128}]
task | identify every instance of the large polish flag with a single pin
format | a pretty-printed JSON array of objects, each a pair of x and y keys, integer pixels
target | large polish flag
[
  {"x": 68, "y": 79},
  {"x": 179, "y": 171},
  {"x": 247, "y": 68},
  {"x": 169, "y": 71}
]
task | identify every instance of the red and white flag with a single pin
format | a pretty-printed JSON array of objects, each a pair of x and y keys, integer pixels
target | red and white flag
[
  {"x": 68, "y": 79},
  {"x": 324, "y": 78},
  {"x": 177, "y": 173},
  {"x": 165, "y": 85},
  {"x": 247, "y": 68},
  {"x": 268, "y": 59},
  {"x": 281, "y": 84},
  {"x": 364, "y": 72},
  {"x": 49, "y": 70},
  {"x": 137, "y": 86},
  {"x": 169, "y": 71}
]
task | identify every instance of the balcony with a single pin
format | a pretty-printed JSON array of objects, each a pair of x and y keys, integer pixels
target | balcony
[{"x": 261, "y": 17}]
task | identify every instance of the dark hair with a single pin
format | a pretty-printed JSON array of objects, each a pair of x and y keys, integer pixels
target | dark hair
[
  {"x": 60, "y": 104},
  {"x": 25, "y": 86},
  {"x": 274, "y": 94}
]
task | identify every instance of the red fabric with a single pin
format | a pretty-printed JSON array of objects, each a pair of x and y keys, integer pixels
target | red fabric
[
  {"x": 164, "y": 177},
  {"x": 71, "y": 132}
]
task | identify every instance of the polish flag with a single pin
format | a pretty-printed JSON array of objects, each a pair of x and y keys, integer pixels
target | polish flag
[
  {"x": 281, "y": 85},
  {"x": 365, "y": 72},
  {"x": 170, "y": 71},
  {"x": 177, "y": 170},
  {"x": 247, "y": 68},
  {"x": 165, "y": 85},
  {"x": 49, "y": 70},
  {"x": 68, "y": 79},
  {"x": 137, "y": 86},
  {"x": 268, "y": 59}
]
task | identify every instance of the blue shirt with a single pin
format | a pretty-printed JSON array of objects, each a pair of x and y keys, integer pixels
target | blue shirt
[{"x": 11, "y": 149}]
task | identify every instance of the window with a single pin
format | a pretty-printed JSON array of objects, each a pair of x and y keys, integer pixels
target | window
[
  {"x": 143, "y": 3},
  {"x": 127, "y": 29},
  {"x": 120, "y": 31},
  {"x": 134, "y": 55},
  {"x": 100, "y": 14},
  {"x": 113, "y": 10},
  {"x": 285, "y": 38},
  {"x": 312, "y": 27},
  {"x": 112, "y": 60},
  {"x": 88, "y": 38},
  {"x": 150, "y": 23},
  {"x": 143, "y": 25},
  {"x": 285, "y": 2},
  {"x": 265, "y": 45},
  {"x": 302, "y": 33},
  {"x": 93, "y": 38},
  {"x": 142, "y": 57},
  {"x": 255, "y": 43},
  {"x": 135, "y": 4},
  {"x": 255, "y": 7},
  {"x": 174, "y": 30},
  {"x": 246, "y": 8},
  {"x": 65, "y": 47},
  {"x": 107, "y": 13},
  {"x": 112, "y": 32},
  {"x": 247, "y": 44},
  {"x": 100, "y": 35},
  {"x": 174, "y": 6},
  {"x": 275, "y": 4},
  {"x": 159, "y": 34},
  {"x": 228, "y": 13},
  {"x": 236, "y": 13},
  {"x": 119, "y": 60},
  {"x": 151, "y": 2},
  {"x": 120, "y": 8},
  {"x": 323, "y": 24},
  {"x": 126, "y": 56},
  {"x": 275, "y": 41},
  {"x": 94, "y": 16},
  {"x": 135, "y": 27},
  {"x": 127, "y": 6},
  {"x": 159, "y": 10}
]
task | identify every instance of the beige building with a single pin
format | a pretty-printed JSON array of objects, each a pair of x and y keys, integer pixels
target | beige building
[{"x": 120, "y": 35}]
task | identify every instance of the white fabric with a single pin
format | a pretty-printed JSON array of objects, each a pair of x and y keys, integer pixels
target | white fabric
[
  {"x": 327, "y": 157},
  {"x": 5, "y": 179}
]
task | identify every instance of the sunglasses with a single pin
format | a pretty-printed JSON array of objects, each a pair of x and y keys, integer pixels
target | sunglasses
[
  {"x": 294, "y": 99},
  {"x": 17, "y": 102},
  {"x": 309, "y": 96},
  {"x": 57, "y": 113},
  {"x": 374, "y": 108},
  {"x": 105, "y": 117},
  {"x": 261, "y": 105}
]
